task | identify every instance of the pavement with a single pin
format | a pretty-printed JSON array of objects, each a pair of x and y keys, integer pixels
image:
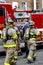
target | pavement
[{"x": 23, "y": 61}]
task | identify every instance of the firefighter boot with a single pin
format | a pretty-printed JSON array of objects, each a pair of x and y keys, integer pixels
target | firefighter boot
[
  {"x": 13, "y": 62},
  {"x": 29, "y": 59}
]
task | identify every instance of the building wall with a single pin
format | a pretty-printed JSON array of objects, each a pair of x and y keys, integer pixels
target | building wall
[
  {"x": 39, "y": 4},
  {"x": 30, "y": 4}
]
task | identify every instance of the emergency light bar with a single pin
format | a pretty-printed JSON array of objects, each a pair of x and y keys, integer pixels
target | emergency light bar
[{"x": 20, "y": 15}]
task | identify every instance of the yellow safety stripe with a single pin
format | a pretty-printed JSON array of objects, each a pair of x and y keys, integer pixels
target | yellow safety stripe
[
  {"x": 37, "y": 33},
  {"x": 15, "y": 57},
  {"x": 12, "y": 60},
  {"x": 6, "y": 64},
  {"x": 18, "y": 32},
  {"x": 1, "y": 36},
  {"x": 32, "y": 39},
  {"x": 34, "y": 55},
  {"x": 29, "y": 58},
  {"x": 31, "y": 33},
  {"x": 15, "y": 36},
  {"x": 26, "y": 36},
  {"x": 11, "y": 45},
  {"x": 9, "y": 25}
]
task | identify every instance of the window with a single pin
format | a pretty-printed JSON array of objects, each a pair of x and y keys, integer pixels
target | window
[
  {"x": 24, "y": 5},
  {"x": 1, "y": 11}
]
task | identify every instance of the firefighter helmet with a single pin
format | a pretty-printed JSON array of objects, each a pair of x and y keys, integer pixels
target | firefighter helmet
[
  {"x": 31, "y": 23},
  {"x": 10, "y": 22}
]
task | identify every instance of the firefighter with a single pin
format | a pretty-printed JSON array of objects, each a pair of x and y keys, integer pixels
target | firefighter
[
  {"x": 16, "y": 29},
  {"x": 9, "y": 37},
  {"x": 18, "y": 34},
  {"x": 19, "y": 39},
  {"x": 30, "y": 35}
]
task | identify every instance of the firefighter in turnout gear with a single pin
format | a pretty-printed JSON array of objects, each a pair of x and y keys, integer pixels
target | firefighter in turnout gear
[
  {"x": 30, "y": 35},
  {"x": 17, "y": 32},
  {"x": 10, "y": 42},
  {"x": 18, "y": 37}
]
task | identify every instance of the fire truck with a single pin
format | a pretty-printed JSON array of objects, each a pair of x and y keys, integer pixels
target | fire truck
[
  {"x": 7, "y": 12},
  {"x": 18, "y": 15},
  {"x": 36, "y": 16}
]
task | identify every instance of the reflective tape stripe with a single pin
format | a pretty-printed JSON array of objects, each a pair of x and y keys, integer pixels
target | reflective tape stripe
[
  {"x": 15, "y": 57},
  {"x": 34, "y": 55},
  {"x": 11, "y": 45},
  {"x": 32, "y": 33},
  {"x": 29, "y": 58},
  {"x": 9, "y": 25},
  {"x": 32, "y": 39},
  {"x": 15, "y": 36},
  {"x": 6, "y": 64},
  {"x": 18, "y": 32},
  {"x": 12, "y": 60},
  {"x": 1, "y": 36},
  {"x": 37, "y": 33}
]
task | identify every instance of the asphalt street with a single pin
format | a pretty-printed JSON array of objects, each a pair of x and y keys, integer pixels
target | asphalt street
[{"x": 23, "y": 61}]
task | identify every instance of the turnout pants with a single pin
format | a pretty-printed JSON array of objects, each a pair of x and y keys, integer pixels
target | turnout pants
[
  {"x": 10, "y": 53},
  {"x": 32, "y": 50}
]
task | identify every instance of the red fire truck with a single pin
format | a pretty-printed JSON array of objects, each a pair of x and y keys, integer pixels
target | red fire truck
[
  {"x": 2, "y": 17},
  {"x": 6, "y": 11},
  {"x": 36, "y": 16}
]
